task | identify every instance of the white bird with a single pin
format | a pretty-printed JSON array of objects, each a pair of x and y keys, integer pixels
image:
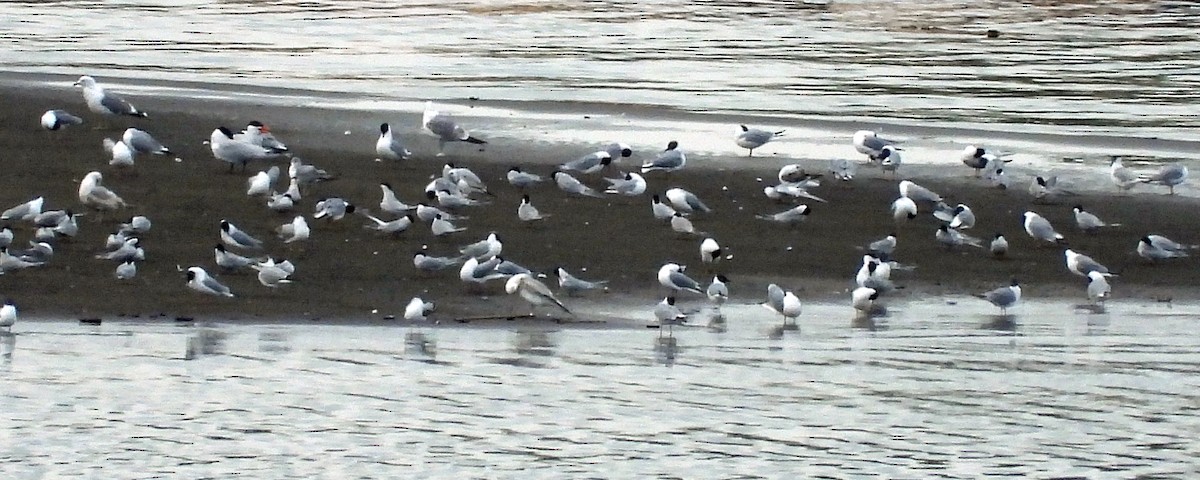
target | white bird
[
  {"x": 130, "y": 249},
  {"x": 126, "y": 270},
  {"x": 1168, "y": 175},
  {"x": 841, "y": 169},
  {"x": 980, "y": 159},
  {"x": 136, "y": 225},
  {"x": 390, "y": 203},
  {"x": 680, "y": 224},
  {"x": 952, "y": 238},
  {"x": 718, "y": 291},
  {"x": 233, "y": 152},
  {"x": 889, "y": 159},
  {"x": 790, "y": 216},
  {"x": 661, "y": 210},
  {"x": 229, "y": 260},
  {"x": 453, "y": 200},
  {"x": 685, "y": 201},
  {"x": 618, "y": 150},
  {"x": 1047, "y": 189},
  {"x": 521, "y": 179},
  {"x": 1040, "y": 229},
  {"x": 752, "y": 138},
  {"x": 305, "y": 174},
  {"x": 96, "y": 196},
  {"x": 918, "y": 193},
  {"x": 333, "y": 208},
  {"x": 668, "y": 315},
  {"x": 1098, "y": 289},
  {"x": 791, "y": 307},
  {"x": 464, "y": 179},
  {"x": 442, "y": 227},
  {"x": 258, "y": 134},
  {"x": 571, "y": 185},
  {"x": 474, "y": 272},
  {"x": 527, "y": 212},
  {"x": 389, "y": 147},
  {"x": 58, "y": 119},
  {"x": 904, "y": 208},
  {"x": 793, "y": 190},
  {"x": 103, "y": 102},
  {"x": 710, "y": 251},
  {"x": 1004, "y": 297},
  {"x": 671, "y": 275},
  {"x": 870, "y": 144},
  {"x": 428, "y": 263},
  {"x": 963, "y": 218},
  {"x": 273, "y": 275},
  {"x": 1089, "y": 222},
  {"x": 1122, "y": 177},
  {"x": 417, "y": 310},
  {"x": 445, "y": 129},
  {"x": 392, "y": 227},
  {"x": 6, "y": 236},
  {"x": 200, "y": 281},
  {"x": 1083, "y": 265},
  {"x": 281, "y": 202},
  {"x": 295, "y": 231},
  {"x": 532, "y": 290},
  {"x": 997, "y": 179},
  {"x": 632, "y": 184},
  {"x": 875, "y": 274},
  {"x": 863, "y": 299},
  {"x": 26, "y": 211},
  {"x": 667, "y": 160},
  {"x": 590, "y": 163},
  {"x": 142, "y": 142},
  {"x": 261, "y": 182},
  {"x": 999, "y": 245},
  {"x": 8, "y": 315},
  {"x": 1158, "y": 247},
  {"x": 573, "y": 285},
  {"x": 120, "y": 155},
  {"x": 883, "y": 247},
  {"x": 234, "y": 237}
]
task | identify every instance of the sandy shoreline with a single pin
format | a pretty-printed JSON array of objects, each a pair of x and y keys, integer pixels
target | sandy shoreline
[{"x": 347, "y": 272}]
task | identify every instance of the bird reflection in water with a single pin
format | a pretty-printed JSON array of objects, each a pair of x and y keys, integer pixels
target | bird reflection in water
[
  {"x": 1000, "y": 323},
  {"x": 8, "y": 343},
  {"x": 420, "y": 345},
  {"x": 534, "y": 343},
  {"x": 206, "y": 341},
  {"x": 666, "y": 349}
]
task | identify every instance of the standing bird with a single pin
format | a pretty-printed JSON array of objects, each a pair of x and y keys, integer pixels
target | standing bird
[
  {"x": 417, "y": 310},
  {"x": 753, "y": 138},
  {"x": 58, "y": 119},
  {"x": 142, "y": 142},
  {"x": 1040, "y": 229},
  {"x": 671, "y": 276},
  {"x": 1083, "y": 265},
  {"x": 667, "y": 160},
  {"x": 1169, "y": 175},
  {"x": 717, "y": 291},
  {"x": 256, "y": 133},
  {"x": 889, "y": 159},
  {"x": 870, "y": 144},
  {"x": 388, "y": 147},
  {"x": 1089, "y": 222},
  {"x": 863, "y": 299},
  {"x": 1122, "y": 177},
  {"x": 1158, "y": 247},
  {"x": 685, "y": 201},
  {"x": 96, "y": 196},
  {"x": 590, "y": 163},
  {"x": 8, "y": 315},
  {"x": 233, "y": 152},
  {"x": 103, "y": 102},
  {"x": 445, "y": 129},
  {"x": 904, "y": 208},
  {"x": 668, "y": 315},
  {"x": 532, "y": 290},
  {"x": 200, "y": 281},
  {"x": 980, "y": 160},
  {"x": 1004, "y": 297},
  {"x": 1098, "y": 288},
  {"x": 527, "y": 212}
]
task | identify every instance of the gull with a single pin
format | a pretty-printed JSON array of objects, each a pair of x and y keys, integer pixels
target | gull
[
  {"x": 661, "y": 210},
  {"x": 50, "y": 218},
  {"x": 870, "y": 144},
  {"x": 48, "y": 234},
  {"x": 794, "y": 190},
  {"x": 233, "y": 152},
  {"x": 1089, "y": 222},
  {"x": 417, "y": 310},
  {"x": 258, "y": 134},
  {"x": 94, "y": 195},
  {"x": 440, "y": 183},
  {"x": 786, "y": 304},
  {"x": 271, "y": 274},
  {"x": 1083, "y": 265},
  {"x": 131, "y": 249},
  {"x": 753, "y": 138},
  {"x": 710, "y": 251},
  {"x": 863, "y": 299},
  {"x": 1047, "y": 189},
  {"x": 1098, "y": 288},
  {"x": 231, "y": 261},
  {"x": 445, "y": 129},
  {"x": 889, "y": 159},
  {"x": 6, "y": 236},
  {"x": 1003, "y": 297},
  {"x": 8, "y": 314},
  {"x": 103, "y": 102},
  {"x": 120, "y": 155},
  {"x": 261, "y": 182},
  {"x": 875, "y": 274},
  {"x": 570, "y": 184},
  {"x": 295, "y": 231},
  {"x": 999, "y": 246},
  {"x": 717, "y": 291},
  {"x": 943, "y": 212},
  {"x": 996, "y": 178},
  {"x": 464, "y": 179},
  {"x": 58, "y": 119},
  {"x": 794, "y": 173},
  {"x": 618, "y": 150},
  {"x": 685, "y": 201},
  {"x": 442, "y": 227},
  {"x": 115, "y": 240},
  {"x": 1168, "y": 175},
  {"x": 125, "y": 270},
  {"x": 668, "y": 315},
  {"x": 510, "y": 268},
  {"x": 791, "y": 216},
  {"x": 390, "y": 203},
  {"x": 474, "y": 272},
  {"x": 841, "y": 169},
  {"x": 427, "y": 213},
  {"x": 1040, "y": 229},
  {"x": 522, "y": 180},
  {"x": 333, "y": 208},
  {"x": 26, "y": 211},
  {"x": 393, "y": 227},
  {"x": 632, "y": 184},
  {"x": 306, "y": 174},
  {"x": 904, "y": 208},
  {"x": 293, "y": 189},
  {"x": 671, "y": 275},
  {"x": 234, "y": 237},
  {"x": 428, "y": 263},
  {"x": 38, "y": 252},
  {"x": 136, "y": 225},
  {"x": 573, "y": 286},
  {"x": 980, "y": 160},
  {"x": 1158, "y": 247},
  {"x": 532, "y": 290},
  {"x": 883, "y": 247},
  {"x": 389, "y": 147},
  {"x": 200, "y": 281},
  {"x": 483, "y": 249},
  {"x": 963, "y": 218},
  {"x": 527, "y": 212},
  {"x": 680, "y": 224},
  {"x": 281, "y": 202},
  {"x": 667, "y": 160},
  {"x": 8, "y": 262},
  {"x": 142, "y": 142},
  {"x": 1122, "y": 177},
  {"x": 590, "y": 163},
  {"x": 953, "y": 238},
  {"x": 775, "y": 296},
  {"x": 918, "y": 193}
]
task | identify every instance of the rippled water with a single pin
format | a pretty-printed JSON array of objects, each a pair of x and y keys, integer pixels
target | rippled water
[
  {"x": 1121, "y": 66},
  {"x": 932, "y": 390}
]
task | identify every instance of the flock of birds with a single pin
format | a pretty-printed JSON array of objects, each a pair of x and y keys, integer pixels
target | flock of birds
[{"x": 457, "y": 189}]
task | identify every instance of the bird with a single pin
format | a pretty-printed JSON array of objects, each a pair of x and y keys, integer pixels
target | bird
[
  {"x": 126, "y": 270},
  {"x": 200, "y": 281},
  {"x": 889, "y": 159},
  {"x": 393, "y": 227},
  {"x": 883, "y": 247},
  {"x": 258, "y": 134},
  {"x": 904, "y": 208},
  {"x": 27, "y": 211},
  {"x": 96, "y": 196},
  {"x": 618, "y": 150},
  {"x": 281, "y": 202},
  {"x": 1098, "y": 289},
  {"x": 429, "y": 263},
  {"x": 952, "y": 238},
  {"x": 979, "y": 159},
  {"x": 752, "y": 138},
  {"x": 233, "y": 152},
  {"x": 1158, "y": 247},
  {"x": 260, "y": 184},
  {"x": 532, "y": 290},
  {"x": 136, "y": 225},
  {"x": 571, "y": 185},
  {"x": 9, "y": 262},
  {"x": 918, "y": 193},
  {"x": 710, "y": 251},
  {"x": 632, "y": 184},
  {"x": 1040, "y": 229},
  {"x": 391, "y": 204},
  {"x": 103, "y": 102},
  {"x": 964, "y": 218},
  {"x": 863, "y": 299},
  {"x": 791, "y": 307},
  {"x": 442, "y": 227},
  {"x": 230, "y": 261},
  {"x": 790, "y": 216},
  {"x": 874, "y": 273},
  {"x": 668, "y": 315},
  {"x": 999, "y": 246},
  {"x": 1004, "y": 297},
  {"x": 474, "y": 272},
  {"x": 841, "y": 169},
  {"x": 522, "y": 179},
  {"x": 572, "y": 285},
  {"x": 590, "y": 163},
  {"x": 685, "y": 201},
  {"x": 870, "y": 144},
  {"x": 130, "y": 249},
  {"x": 667, "y": 160},
  {"x": 271, "y": 274},
  {"x": 445, "y": 129},
  {"x": 464, "y": 179},
  {"x": 1083, "y": 265},
  {"x": 234, "y": 237},
  {"x": 681, "y": 225},
  {"x": 488, "y": 247},
  {"x": 142, "y": 142},
  {"x": 661, "y": 210},
  {"x": 8, "y": 315},
  {"x": 120, "y": 155},
  {"x": 527, "y": 212},
  {"x": 671, "y": 276},
  {"x": 417, "y": 310},
  {"x": 333, "y": 208},
  {"x": 717, "y": 291},
  {"x": 295, "y": 231},
  {"x": 305, "y": 174},
  {"x": 997, "y": 179},
  {"x": 1169, "y": 175},
  {"x": 59, "y": 119},
  {"x": 388, "y": 147},
  {"x": 1122, "y": 177},
  {"x": 1089, "y": 222}
]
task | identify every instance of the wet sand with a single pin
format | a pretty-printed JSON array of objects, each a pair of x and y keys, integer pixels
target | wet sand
[{"x": 346, "y": 272}]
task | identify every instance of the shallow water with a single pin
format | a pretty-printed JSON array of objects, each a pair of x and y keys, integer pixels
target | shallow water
[{"x": 930, "y": 390}]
